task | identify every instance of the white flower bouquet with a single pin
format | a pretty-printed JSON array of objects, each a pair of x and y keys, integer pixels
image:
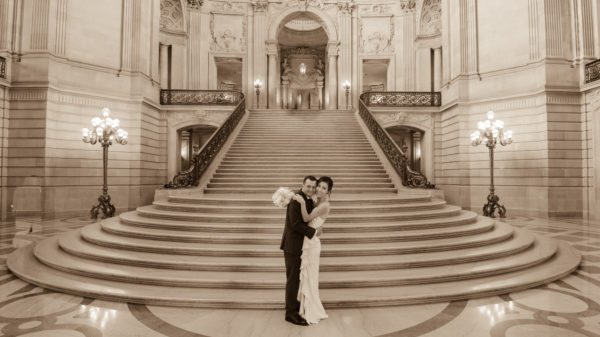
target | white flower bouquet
[{"x": 282, "y": 197}]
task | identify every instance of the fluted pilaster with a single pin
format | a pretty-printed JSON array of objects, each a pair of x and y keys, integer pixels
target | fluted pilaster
[
  {"x": 408, "y": 51},
  {"x": 553, "y": 27},
  {"x": 468, "y": 36},
  {"x": 6, "y": 8},
  {"x": 130, "y": 53},
  {"x": 534, "y": 30},
  {"x": 273, "y": 82},
  {"x": 587, "y": 28},
  {"x": 194, "y": 49},
  {"x": 437, "y": 69},
  {"x": 40, "y": 13}
]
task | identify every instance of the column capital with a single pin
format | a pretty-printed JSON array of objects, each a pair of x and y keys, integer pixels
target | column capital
[
  {"x": 194, "y": 4},
  {"x": 272, "y": 47},
  {"x": 333, "y": 48},
  {"x": 346, "y": 7},
  {"x": 260, "y": 5},
  {"x": 408, "y": 6}
]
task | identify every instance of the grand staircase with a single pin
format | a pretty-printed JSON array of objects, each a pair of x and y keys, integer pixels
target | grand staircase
[{"x": 219, "y": 247}]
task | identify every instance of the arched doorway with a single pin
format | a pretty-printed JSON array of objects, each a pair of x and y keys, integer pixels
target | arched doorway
[
  {"x": 410, "y": 140},
  {"x": 302, "y": 60},
  {"x": 190, "y": 141}
]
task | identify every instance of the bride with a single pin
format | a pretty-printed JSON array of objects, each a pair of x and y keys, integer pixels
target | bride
[{"x": 311, "y": 308}]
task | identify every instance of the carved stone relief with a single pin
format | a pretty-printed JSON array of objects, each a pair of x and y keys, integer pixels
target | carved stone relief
[
  {"x": 387, "y": 119},
  {"x": 431, "y": 17},
  {"x": 376, "y": 9},
  {"x": 346, "y": 7},
  {"x": 171, "y": 15},
  {"x": 227, "y": 7},
  {"x": 304, "y": 4},
  {"x": 376, "y": 35},
  {"x": 228, "y": 32}
]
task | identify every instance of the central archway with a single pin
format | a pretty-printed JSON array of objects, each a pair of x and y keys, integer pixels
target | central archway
[{"x": 274, "y": 78}]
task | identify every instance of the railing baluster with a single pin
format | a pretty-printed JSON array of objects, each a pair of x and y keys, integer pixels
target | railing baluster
[
  {"x": 592, "y": 71},
  {"x": 2, "y": 67},
  {"x": 200, "y": 97}
]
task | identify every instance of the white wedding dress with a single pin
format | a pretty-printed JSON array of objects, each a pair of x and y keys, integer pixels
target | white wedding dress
[{"x": 311, "y": 308}]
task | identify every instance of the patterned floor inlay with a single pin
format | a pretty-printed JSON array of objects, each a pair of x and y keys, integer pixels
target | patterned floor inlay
[{"x": 568, "y": 307}]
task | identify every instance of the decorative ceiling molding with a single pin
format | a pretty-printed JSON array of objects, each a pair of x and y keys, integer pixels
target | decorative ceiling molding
[{"x": 171, "y": 15}]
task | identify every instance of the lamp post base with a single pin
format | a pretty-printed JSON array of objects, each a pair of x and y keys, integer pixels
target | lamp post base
[
  {"x": 105, "y": 206},
  {"x": 492, "y": 205}
]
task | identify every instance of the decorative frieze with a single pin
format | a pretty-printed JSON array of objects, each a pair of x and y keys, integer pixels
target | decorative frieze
[
  {"x": 304, "y": 4},
  {"x": 375, "y": 9}
]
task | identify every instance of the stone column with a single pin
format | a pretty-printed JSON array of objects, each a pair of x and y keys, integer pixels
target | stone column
[
  {"x": 273, "y": 85},
  {"x": 285, "y": 92},
  {"x": 345, "y": 59},
  {"x": 164, "y": 67},
  {"x": 260, "y": 61},
  {"x": 320, "y": 91},
  {"x": 437, "y": 69},
  {"x": 332, "y": 80}
]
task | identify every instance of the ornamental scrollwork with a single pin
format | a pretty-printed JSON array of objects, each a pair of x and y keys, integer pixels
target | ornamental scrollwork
[
  {"x": 592, "y": 71},
  {"x": 201, "y": 159},
  {"x": 200, "y": 97},
  {"x": 402, "y": 98},
  {"x": 2, "y": 67},
  {"x": 408, "y": 5},
  {"x": 431, "y": 17}
]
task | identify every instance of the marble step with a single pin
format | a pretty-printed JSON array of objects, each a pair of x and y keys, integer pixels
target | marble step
[
  {"x": 303, "y": 160},
  {"x": 294, "y": 181},
  {"x": 133, "y": 219},
  {"x": 49, "y": 253},
  {"x": 330, "y": 171},
  {"x": 338, "y": 201},
  {"x": 72, "y": 243},
  {"x": 273, "y": 186},
  {"x": 153, "y": 212},
  {"x": 113, "y": 226},
  {"x": 302, "y": 166},
  {"x": 94, "y": 234},
  {"x": 298, "y": 176},
  {"x": 273, "y": 210},
  {"x": 349, "y": 190},
  {"x": 23, "y": 264}
]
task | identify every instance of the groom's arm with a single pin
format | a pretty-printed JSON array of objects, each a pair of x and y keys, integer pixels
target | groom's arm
[{"x": 298, "y": 225}]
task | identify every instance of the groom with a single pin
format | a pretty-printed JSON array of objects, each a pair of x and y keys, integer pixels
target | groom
[{"x": 291, "y": 244}]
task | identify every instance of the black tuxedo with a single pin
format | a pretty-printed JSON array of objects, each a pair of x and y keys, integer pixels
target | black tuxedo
[{"x": 291, "y": 244}]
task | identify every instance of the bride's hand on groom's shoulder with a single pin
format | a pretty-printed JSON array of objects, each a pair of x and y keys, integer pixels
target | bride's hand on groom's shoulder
[{"x": 298, "y": 198}]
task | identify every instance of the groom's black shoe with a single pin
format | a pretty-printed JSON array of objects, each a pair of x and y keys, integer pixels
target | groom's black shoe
[{"x": 296, "y": 319}]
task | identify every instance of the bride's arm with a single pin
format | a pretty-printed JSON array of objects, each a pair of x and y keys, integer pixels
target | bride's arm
[{"x": 318, "y": 211}]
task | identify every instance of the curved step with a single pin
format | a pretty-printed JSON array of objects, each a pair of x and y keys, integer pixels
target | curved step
[
  {"x": 265, "y": 200},
  {"x": 94, "y": 234},
  {"x": 273, "y": 210},
  {"x": 49, "y": 253},
  {"x": 152, "y": 212},
  {"x": 114, "y": 226},
  {"x": 133, "y": 219},
  {"x": 72, "y": 243}
]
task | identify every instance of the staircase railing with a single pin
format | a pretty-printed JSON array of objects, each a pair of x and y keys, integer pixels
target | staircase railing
[
  {"x": 393, "y": 152},
  {"x": 402, "y": 98},
  {"x": 2, "y": 67},
  {"x": 203, "y": 158},
  {"x": 201, "y": 97},
  {"x": 592, "y": 71}
]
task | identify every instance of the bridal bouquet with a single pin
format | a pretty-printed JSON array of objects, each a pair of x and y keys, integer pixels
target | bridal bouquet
[{"x": 282, "y": 197}]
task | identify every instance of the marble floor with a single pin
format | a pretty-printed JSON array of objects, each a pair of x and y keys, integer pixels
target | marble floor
[{"x": 568, "y": 307}]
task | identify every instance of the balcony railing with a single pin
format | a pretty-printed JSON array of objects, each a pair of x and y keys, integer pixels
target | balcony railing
[
  {"x": 200, "y": 97},
  {"x": 592, "y": 71},
  {"x": 2, "y": 67},
  {"x": 402, "y": 98},
  {"x": 393, "y": 152},
  {"x": 203, "y": 158}
]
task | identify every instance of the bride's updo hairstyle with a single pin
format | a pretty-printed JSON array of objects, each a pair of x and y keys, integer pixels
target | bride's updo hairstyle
[{"x": 326, "y": 180}]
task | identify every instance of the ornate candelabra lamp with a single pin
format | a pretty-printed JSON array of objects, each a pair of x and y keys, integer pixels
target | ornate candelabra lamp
[
  {"x": 346, "y": 86},
  {"x": 257, "y": 85},
  {"x": 491, "y": 132},
  {"x": 104, "y": 131}
]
